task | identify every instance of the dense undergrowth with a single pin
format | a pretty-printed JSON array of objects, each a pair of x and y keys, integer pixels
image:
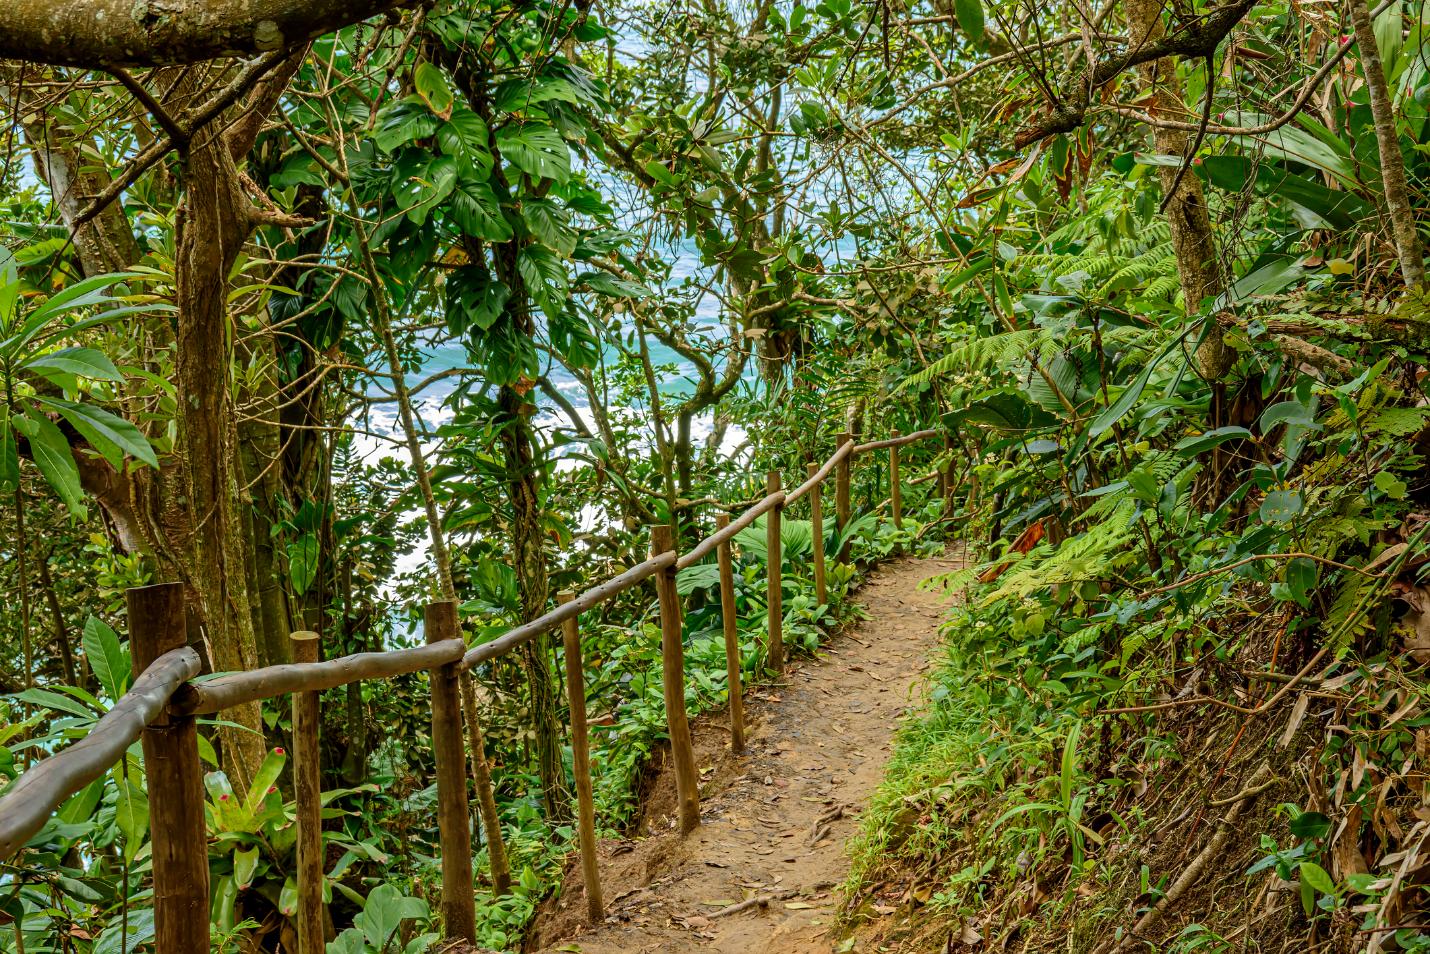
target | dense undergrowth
[{"x": 1185, "y": 726}]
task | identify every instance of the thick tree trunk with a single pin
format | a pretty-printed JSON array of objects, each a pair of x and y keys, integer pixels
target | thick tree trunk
[
  {"x": 1198, "y": 265},
  {"x": 529, "y": 561},
  {"x": 1392, "y": 164},
  {"x": 213, "y": 225}
]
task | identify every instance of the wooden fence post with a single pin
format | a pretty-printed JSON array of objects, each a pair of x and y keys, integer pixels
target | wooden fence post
[
  {"x": 307, "y": 786},
  {"x": 672, "y": 654},
  {"x": 486, "y": 799},
  {"x": 841, "y": 492},
  {"x": 896, "y": 494},
  {"x": 774, "y": 589},
  {"x": 816, "y": 526},
  {"x": 581, "y": 762},
  {"x": 178, "y": 839},
  {"x": 730, "y": 621},
  {"x": 459, "y": 909}
]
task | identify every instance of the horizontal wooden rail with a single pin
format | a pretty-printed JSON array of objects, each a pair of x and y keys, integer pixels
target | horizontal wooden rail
[
  {"x": 711, "y": 543},
  {"x": 896, "y": 441},
  {"x": 28, "y": 803},
  {"x": 545, "y": 624},
  {"x": 818, "y": 477},
  {"x": 164, "y": 689},
  {"x": 225, "y": 692}
]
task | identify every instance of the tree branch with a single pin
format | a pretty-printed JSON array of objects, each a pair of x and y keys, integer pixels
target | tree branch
[{"x": 96, "y": 34}]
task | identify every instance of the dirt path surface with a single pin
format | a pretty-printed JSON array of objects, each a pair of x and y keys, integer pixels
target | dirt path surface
[{"x": 775, "y": 820}]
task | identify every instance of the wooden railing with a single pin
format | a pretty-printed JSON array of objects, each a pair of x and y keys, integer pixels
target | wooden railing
[{"x": 160, "y": 710}]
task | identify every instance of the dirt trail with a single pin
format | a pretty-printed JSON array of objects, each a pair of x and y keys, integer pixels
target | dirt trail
[{"x": 775, "y": 820}]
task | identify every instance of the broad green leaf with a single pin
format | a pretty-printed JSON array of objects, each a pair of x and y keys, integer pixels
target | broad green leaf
[
  {"x": 1191, "y": 446},
  {"x": 1391, "y": 485},
  {"x": 402, "y": 122},
  {"x": 88, "y": 291},
  {"x": 116, "y": 940},
  {"x": 85, "y": 362},
  {"x": 9, "y": 454},
  {"x": 9, "y": 288},
  {"x": 1317, "y": 877},
  {"x": 474, "y": 207},
  {"x": 1123, "y": 404},
  {"x": 303, "y": 562},
  {"x": 108, "y": 660},
  {"x": 1301, "y": 575},
  {"x": 473, "y": 299},
  {"x": 538, "y": 150},
  {"x": 465, "y": 136},
  {"x": 109, "y": 434},
  {"x": 431, "y": 84},
  {"x": 551, "y": 224},
  {"x": 1281, "y": 506},
  {"x": 970, "y": 17},
  {"x": 53, "y": 456},
  {"x": 265, "y": 778},
  {"x": 545, "y": 278},
  {"x": 54, "y": 702},
  {"x": 516, "y": 95},
  {"x": 132, "y": 816},
  {"x": 245, "y": 863}
]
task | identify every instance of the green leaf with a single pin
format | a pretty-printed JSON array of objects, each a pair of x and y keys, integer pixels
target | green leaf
[
  {"x": 132, "y": 816},
  {"x": 54, "y": 702},
  {"x": 545, "y": 278},
  {"x": 1195, "y": 444},
  {"x": 115, "y": 940},
  {"x": 1285, "y": 412},
  {"x": 1301, "y": 576},
  {"x": 970, "y": 18},
  {"x": 538, "y": 150},
  {"x": 109, "y": 434},
  {"x": 402, "y": 122},
  {"x": 384, "y": 912},
  {"x": 551, "y": 224},
  {"x": 701, "y": 576},
  {"x": 85, "y": 362},
  {"x": 657, "y": 170},
  {"x": 1123, "y": 404},
  {"x": 515, "y": 95},
  {"x": 465, "y": 136},
  {"x": 264, "y": 779},
  {"x": 9, "y": 454},
  {"x": 303, "y": 562},
  {"x": 1281, "y": 506},
  {"x": 108, "y": 659},
  {"x": 474, "y": 299},
  {"x": 245, "y": 864},
  {"x": 53, "y": 456},
  {"x": 89, "y": 291},
  {"x": 1310, "y": 825},
  {"x": 477, "y": 211},
  {"x": 1317, "y": 877},
  {"x": 431, "y": 84},
  {"x": 1390, "y": 485}
]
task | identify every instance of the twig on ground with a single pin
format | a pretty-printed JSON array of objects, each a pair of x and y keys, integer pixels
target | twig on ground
[{"x": 758, "y": 901}]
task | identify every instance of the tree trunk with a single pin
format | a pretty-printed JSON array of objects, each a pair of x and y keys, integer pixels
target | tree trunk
[
  {"x": 1194, "y": 243},
  {"x": 1392, "y": 163},
  {"x": 212, "y": 227}
]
